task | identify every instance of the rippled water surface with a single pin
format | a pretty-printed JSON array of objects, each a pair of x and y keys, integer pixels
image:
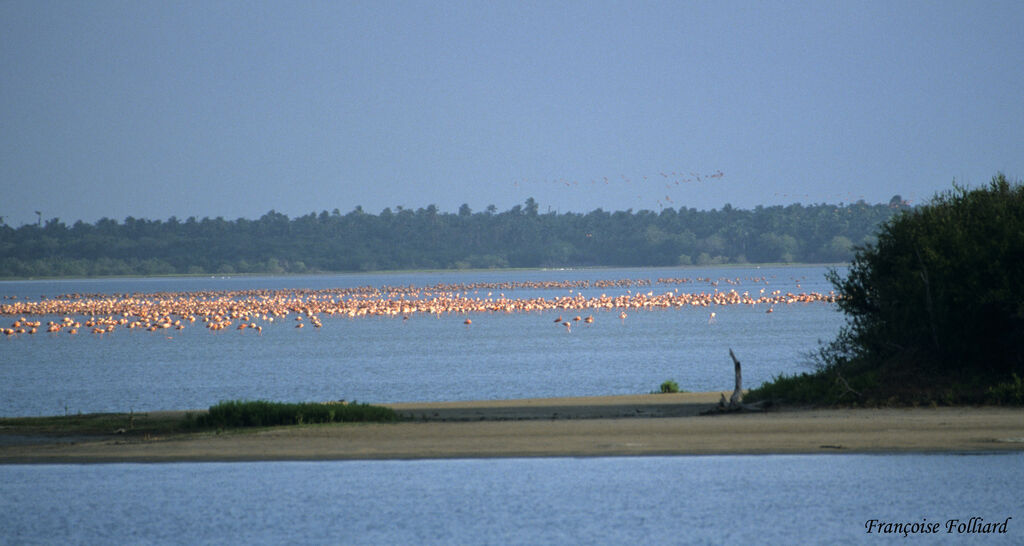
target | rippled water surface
[
  {"x": 425, "y": 358},
  {"x": 823, "y": 499}
]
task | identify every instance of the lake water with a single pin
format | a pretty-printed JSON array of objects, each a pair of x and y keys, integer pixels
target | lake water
[
  {"x": 824, "y": 499},
  {"x": 425, "y": 358}
]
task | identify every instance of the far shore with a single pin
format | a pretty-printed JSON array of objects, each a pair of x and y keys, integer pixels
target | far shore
[
  {"x": 632, "y": 425},
  {"x": 322, "y": 273}
]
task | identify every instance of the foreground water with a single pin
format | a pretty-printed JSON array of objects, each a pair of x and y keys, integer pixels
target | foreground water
[
  {"x": 826, "y": 499},
  {"x": 425, "y": 358}
]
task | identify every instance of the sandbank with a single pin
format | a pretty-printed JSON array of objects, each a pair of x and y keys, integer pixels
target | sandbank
[{"x": 654, "y": 424}]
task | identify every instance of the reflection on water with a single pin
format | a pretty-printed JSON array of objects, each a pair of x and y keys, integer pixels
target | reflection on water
[
  {"x": 425, "y": 358},
  {"x": 824, "y": 499}
]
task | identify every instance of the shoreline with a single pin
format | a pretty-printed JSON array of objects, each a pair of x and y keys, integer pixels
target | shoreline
[{"x": 631, "y": 425}]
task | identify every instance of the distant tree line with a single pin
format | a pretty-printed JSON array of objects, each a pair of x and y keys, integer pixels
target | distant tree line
[{"x": 426, "y": 238}]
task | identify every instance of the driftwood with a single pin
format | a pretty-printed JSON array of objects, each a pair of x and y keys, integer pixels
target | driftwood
[
  {"x": 737, "y": 393},
  {"x": 735, "y": 402}
]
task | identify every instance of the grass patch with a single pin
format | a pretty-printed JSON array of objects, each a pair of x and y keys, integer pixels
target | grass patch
[
  {"x": 262, "y": 413},
  {"x": 874, "y": 387},
  {"x": 1010, "y": 393},
  {"x": 803, "y": 388},
  {"x": 669, "y": 386}
]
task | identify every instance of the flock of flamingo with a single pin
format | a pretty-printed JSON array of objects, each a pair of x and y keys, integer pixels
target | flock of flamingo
[
  {"x": 649, "y": 186},
  {"x": 251, "y": 310},
  {"x": 662, "y": 186}
]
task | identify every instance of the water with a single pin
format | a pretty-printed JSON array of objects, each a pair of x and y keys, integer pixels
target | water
[
  {"x": 426, "y": 358},
  {"x": 826, "y": 499}
]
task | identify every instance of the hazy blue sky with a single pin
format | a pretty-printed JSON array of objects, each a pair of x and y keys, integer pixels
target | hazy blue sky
[{"x": 217, "y": 108}]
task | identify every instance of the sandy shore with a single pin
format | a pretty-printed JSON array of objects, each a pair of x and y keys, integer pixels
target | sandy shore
[{"x": 659, "y": 424}]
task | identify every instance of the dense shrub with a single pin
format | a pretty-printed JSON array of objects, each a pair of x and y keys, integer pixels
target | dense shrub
[
  {"x": 935, "y": 307},
  {"x": 941, "y": 289},
  {"x": 261, "y": 413}
]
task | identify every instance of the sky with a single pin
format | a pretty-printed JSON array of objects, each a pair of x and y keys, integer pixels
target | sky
[{"x": 153, "y": 109}]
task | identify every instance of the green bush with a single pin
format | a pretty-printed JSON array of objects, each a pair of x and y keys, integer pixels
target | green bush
[
  {"x": 669, "y": 386},
  {"x": 261, "y": 413},
  {"x": 935, "y": 308},
  {"x": 940, "y": 291}
]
